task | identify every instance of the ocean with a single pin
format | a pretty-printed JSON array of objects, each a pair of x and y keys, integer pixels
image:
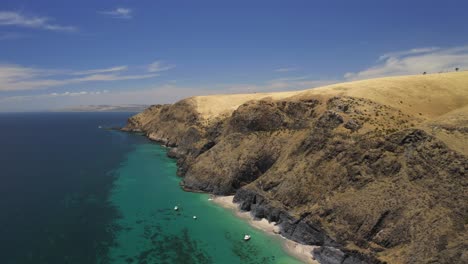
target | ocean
[{"x": 72, "y": 192}]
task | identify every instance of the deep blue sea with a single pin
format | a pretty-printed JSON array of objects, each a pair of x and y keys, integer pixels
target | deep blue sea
[{"x": 71, "y": 192}]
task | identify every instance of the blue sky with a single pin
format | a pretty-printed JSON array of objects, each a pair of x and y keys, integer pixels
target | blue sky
[{"x": 56, "y": 54}]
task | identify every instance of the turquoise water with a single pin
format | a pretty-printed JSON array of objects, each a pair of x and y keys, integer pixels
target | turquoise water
[
  {"x": 145, "y": 193},
  {"x": 72, "y": 193}
]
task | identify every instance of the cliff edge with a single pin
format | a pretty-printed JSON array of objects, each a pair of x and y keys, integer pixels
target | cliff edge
[{"x": 372, "y": 171}]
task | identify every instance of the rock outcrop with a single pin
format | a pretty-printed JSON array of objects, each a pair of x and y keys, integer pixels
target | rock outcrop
[{"x": 367, "y": 181}]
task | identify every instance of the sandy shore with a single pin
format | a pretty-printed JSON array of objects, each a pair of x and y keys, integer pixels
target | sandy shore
[{"x": 299, "y": 251}]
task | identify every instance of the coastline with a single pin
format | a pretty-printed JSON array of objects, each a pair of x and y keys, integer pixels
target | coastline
[{"x": 298, "y": 251}]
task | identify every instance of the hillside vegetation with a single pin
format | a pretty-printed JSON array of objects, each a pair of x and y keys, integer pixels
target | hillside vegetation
[{"x": 372, "y": 171}]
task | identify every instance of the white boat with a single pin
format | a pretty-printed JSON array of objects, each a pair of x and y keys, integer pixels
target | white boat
[
  {"x": 194, "y": 217},
  {"x": 247, "y": 237},
  {"x": 176, "y": 208}
]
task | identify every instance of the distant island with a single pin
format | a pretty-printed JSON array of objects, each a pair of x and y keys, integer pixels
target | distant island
[
  {"x": 371, "y": 171},
  {"x": 104, "y": 108}
]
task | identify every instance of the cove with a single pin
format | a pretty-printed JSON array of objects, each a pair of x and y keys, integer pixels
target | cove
[{"x": 149, "y": 230}]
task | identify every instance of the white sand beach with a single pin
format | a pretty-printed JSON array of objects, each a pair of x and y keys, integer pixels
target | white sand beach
[{"x": 299, "y": 251}]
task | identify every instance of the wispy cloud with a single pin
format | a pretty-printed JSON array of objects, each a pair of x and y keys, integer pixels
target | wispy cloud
[
  {"x": 106, "y": 70},
  {"x": 407, "y": 52},
  {"x": 159, "y": 66},
  {"x": 112, "y": 77},
  {"x": 121, "y": 12},
  {"x": 19, "y": 78},
  {"x": 20, "y": 98},
  {"x": 77, "y": 93},
  {"x": 9, "y": 18},
  {"x": 15, "y": 100},
  {"x": 285, "y": 69},
  {"x": 415, "y": 61}
]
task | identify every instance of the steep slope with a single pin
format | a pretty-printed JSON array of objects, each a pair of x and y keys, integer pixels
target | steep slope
[{"x": 373, "y": 170}]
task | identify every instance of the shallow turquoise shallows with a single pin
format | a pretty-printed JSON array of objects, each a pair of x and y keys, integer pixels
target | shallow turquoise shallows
[{"x": 149, "y": 230}]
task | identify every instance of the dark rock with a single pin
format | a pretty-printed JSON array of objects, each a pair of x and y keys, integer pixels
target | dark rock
[
  {"x": 173, "y": 153},
  {"x": 207, "y": 146},
  {"x": 331, "y": 255},
  {"x": 329, "y": 120},
  {"x": 352, "y": 125},
  {"x": 299, "y": 230},
  {"x": 328, "y": 255},
  {"x": 257, "y": 116}
]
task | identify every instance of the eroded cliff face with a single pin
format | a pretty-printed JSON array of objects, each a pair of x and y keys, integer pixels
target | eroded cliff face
[{"x": 367, "y": 182}]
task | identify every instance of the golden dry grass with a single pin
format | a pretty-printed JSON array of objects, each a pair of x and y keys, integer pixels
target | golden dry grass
[
  {"x": 425, "y": 96},
  {"x": 212, "y": 106},
  {"x": 429, "y": 95}
]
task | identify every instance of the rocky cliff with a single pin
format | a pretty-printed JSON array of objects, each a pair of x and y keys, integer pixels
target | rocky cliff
[{"x": 372, "y": 171}]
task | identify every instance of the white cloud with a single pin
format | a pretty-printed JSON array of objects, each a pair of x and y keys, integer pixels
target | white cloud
[
  {"x": 8, "y": 18},
  {"x": 19, "y": 78},
  {"x": 125, "y": 13},
  {"x": 20, "y": 98},
  {"x": 285, "y": 69},
  {"x": 415, "y": 61},
  {"x": 159, "y": 66},
  {"x": 407, "y": 52},
  {"x": 106, "y": 70},
  {"x": 112, "y": 77}
]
